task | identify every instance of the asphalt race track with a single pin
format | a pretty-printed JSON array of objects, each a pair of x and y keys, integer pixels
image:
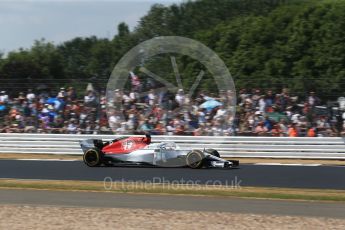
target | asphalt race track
[{"x": 318, "y": 177}]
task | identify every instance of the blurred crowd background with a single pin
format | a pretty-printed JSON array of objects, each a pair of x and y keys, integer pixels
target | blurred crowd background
[
  {"x": 286, "y": 58},
  {"x": 258, "y": 113}
]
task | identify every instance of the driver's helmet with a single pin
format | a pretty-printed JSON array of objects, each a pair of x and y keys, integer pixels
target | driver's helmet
[{"x": 168, "y": 145}]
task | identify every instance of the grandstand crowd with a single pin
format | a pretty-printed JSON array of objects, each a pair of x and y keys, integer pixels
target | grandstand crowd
[{"x": 258, "y": 113}]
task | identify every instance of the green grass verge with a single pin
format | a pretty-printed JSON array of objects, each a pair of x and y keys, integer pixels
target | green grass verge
[{"x": 201, "y": 190}]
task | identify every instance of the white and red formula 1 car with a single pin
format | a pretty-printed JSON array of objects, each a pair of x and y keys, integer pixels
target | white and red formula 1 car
[{"x": 139, "y": 151}]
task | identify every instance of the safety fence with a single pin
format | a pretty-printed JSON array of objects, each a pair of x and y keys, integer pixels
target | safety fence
[{"x": 229, "y": 146}]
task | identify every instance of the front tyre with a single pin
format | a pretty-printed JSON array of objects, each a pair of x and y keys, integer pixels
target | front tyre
[
  {"x": 92, "y": 157},
  {"x": 195, "y": 159}
]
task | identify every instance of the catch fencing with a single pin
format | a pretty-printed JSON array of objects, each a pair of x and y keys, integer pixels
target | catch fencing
[{"x": 232, "y": 146}]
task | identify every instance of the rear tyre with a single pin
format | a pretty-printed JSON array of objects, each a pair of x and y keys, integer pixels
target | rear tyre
[
  {"x": 195, "y": 159},
  {"x": 92, "y": 157}
]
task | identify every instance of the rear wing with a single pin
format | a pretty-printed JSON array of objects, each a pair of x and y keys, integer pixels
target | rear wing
[{"x": 86, "y": 144}]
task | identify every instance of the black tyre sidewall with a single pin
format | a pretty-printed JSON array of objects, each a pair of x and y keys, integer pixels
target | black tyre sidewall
[
  {"x": 98, "y": 154},
  {"x": 200, "y": 162}
]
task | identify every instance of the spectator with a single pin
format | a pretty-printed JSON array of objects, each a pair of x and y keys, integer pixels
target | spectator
[
  {"x": 62, "y": 93},
  {"x": 90, "y": 99},
  {"x": 342, "y": 133},
  {"x": 21, "y": 97},
  {"x": 255, "y": 98},
  {"x": 311, "y": 132},
  {"x": 145, "y": 127},
  {"x": 276, "y": 131},
  {"x": 322, "y": 125},
  {"x": 292, "y": 131},
  {"x": 221, "y": 113},
  {"x": 170, "y": 128},
  {"x": 180, "y": 97},
  {"x": 3, "y": 108},
  {"x": 166, "y": 113},
  {"x": 268, "y": 123},
  {"x": 30, "y": 96},
  {"x": 152, "y": 97},
  {"x": 3, "y": 97},
  {"x": 71, "y": 94},
  {"x": 260, "y": 129},
  {"x": 312, "y": 99},
  {"x": 72, "y": 127},
  {"x": 269, "y": 99},
  {"x": 180, "y": 130}
]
